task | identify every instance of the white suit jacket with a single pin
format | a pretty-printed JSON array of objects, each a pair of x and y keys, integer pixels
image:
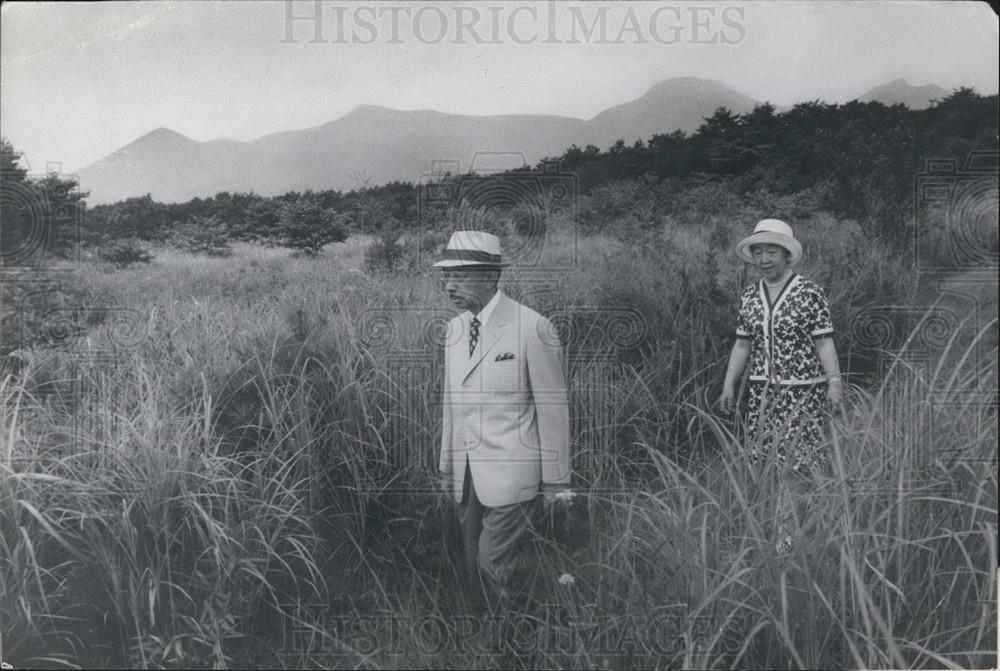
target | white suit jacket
[{"x": 506, "y": 410}]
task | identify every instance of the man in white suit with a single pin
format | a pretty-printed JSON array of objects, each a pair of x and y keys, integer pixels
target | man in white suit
[{"x": 505, "y": 435}]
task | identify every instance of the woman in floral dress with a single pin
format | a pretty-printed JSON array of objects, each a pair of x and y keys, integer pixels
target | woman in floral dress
[{"x": 785, "y": 333}]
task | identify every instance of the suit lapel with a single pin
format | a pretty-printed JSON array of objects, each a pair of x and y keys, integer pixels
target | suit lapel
[{"x": 494, "y": 328}]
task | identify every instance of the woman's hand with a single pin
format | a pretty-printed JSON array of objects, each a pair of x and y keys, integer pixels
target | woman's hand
[
  {"x": 727, "y": 402},
  {"x": 835, "y": 393},
  {"x": 737, "y": 361},
  {"x": 827, "y": 352}
]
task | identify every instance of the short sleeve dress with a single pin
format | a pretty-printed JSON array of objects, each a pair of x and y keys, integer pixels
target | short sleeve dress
[{"x": 787, "y": 387}]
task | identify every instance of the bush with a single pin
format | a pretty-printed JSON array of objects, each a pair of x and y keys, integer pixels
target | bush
[
  {"x": 203, "y": 235},
  {"x": 383, "y": 255},
  {"x": 124, "y": 253},
  {"x": 306, "y": 226},
  {"x": 466, "y": 217},
  {"x": 529, "y": 221},
  {"x": 632, "y": 199}
]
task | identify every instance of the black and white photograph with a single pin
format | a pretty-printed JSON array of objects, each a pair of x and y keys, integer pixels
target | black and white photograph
[{"x": 483, "y": 334}]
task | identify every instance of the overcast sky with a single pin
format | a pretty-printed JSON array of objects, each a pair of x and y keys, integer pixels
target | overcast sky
[{"x": 80, "y": 80}]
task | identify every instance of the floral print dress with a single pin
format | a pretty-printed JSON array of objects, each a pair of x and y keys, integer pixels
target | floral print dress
[{"x": 787, "y": 388}]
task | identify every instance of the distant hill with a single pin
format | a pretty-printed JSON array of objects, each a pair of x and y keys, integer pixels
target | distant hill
[
  {"x": 900, "y": 92},
  {"x": 681, "y": 103},
  {"x": 169, "y": 165},
  {"x": 369, "y": 144},
  {"x": 375, "y": 145},
  {"x": 379, "y": 145}
]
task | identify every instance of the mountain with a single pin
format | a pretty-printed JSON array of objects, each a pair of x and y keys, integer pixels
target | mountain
[
  {"x": 374, "y": 145},
  {"x": 170, "y": 166},
  {"x": 681, "y": 103},
  {"x": 377, "y": 145},
  {"x": 900, "y": 92},
  {"x": 370, "y": 145}
]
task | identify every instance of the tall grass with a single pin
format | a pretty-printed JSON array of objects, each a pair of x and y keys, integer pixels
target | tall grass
[
  {"x": 892, "y": 563},
  {"x": 140, "y": 544},
  {"x": 246, "y": 481}
]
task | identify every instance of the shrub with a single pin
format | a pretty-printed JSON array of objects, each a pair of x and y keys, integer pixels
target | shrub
[
  {"x": 633, "y": 199},
  {"x": 467, "y": 217},
  {"x": 528, "y": 220},
  {"x": 124, "y": 253},
  {"x": 383, "y": 255},
  {"x": 306, "y": 226},
  {"x": 203, "y": 235}
]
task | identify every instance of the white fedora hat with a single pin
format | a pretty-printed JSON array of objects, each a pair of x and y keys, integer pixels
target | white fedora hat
[
  {"x": 771, "y": 232},
  {"x": 472, "y": 248}
]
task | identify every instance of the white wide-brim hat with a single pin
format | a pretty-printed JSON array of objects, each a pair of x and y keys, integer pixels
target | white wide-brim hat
[
  {"x": 472, "y": 248},
  {"x": 771, "y": 232}
]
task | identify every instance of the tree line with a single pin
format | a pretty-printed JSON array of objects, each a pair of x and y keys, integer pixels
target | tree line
[{"x": 855, "y": 160}]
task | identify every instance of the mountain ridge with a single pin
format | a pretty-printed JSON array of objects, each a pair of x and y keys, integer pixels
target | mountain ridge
[
  {"x": 374, "y": 144},
  {"x": 899, "y": 91}
]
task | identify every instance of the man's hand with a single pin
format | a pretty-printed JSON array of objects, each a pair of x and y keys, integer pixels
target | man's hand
[
  {"x": 554, "y": 492},
  {"x": 445, "y": 482}
]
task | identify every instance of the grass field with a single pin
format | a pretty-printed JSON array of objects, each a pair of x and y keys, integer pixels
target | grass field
[{"x": 231, "y": 465}]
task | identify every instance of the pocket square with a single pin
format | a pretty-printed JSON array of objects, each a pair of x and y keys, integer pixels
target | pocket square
[{"x": 506, "y": 356}]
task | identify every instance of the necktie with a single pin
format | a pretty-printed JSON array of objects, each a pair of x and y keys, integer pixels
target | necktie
[{"x": 473, "y": 335}]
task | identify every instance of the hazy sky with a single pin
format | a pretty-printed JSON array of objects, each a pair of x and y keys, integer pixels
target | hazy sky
[{"x": 80, "y": 80}]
